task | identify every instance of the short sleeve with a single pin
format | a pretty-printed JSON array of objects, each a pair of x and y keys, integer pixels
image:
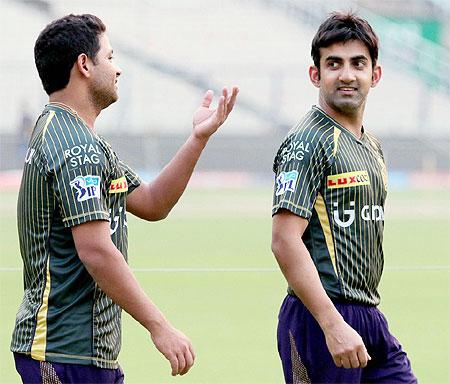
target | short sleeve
[
  {"x": 299, "y": 167},
  {"x": 78, "y": 172},
  {"x": 132, "y": 177}
]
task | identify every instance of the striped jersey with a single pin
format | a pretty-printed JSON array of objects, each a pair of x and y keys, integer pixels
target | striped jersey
[
  {"x": 71, "y": 176},
  {"x": 338, "y": 183}
]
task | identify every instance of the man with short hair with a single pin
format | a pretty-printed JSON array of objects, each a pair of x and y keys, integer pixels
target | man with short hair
[
  {"x": 72, "y": 206},
  {"x": 330, "y": 190}
]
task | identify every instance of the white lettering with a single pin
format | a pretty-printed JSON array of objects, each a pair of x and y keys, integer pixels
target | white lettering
[
  {"x": 115, "y": 225},
  {"x": 368, "y": 213},
  {"x": 82, "y": 154},
  {"x": 349, "y": 212},
  {"x": 294, "y": 151}
]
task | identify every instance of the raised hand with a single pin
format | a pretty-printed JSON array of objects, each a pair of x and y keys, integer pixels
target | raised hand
[
  {"x": 206, "y": 121},
  {"x": 175, "y": 347}
]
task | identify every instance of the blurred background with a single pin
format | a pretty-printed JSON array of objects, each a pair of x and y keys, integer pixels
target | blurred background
[
  {"x": 172, "y": 51},
  {"x": 208, "y": 266}
]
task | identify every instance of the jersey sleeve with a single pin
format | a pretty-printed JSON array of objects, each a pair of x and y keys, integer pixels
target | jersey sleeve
[
  {"x": 78, "y": 171},
  {"x": 300, "y": 166},
  {"x": 132, "y": 177}
]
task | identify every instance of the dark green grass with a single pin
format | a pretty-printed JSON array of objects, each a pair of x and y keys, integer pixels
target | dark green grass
[{"x": 231, "y": 316}]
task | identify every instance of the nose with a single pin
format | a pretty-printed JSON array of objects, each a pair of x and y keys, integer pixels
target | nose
[{"x": 347, "y": 74}]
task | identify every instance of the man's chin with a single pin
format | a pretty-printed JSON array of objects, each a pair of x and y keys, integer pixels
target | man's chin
[
  {"x": 111, "y": 100},
  {"x": 348, "y": 107}
]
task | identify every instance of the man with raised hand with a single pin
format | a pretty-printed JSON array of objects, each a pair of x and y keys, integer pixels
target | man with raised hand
[{"x": 72, "y": 206}]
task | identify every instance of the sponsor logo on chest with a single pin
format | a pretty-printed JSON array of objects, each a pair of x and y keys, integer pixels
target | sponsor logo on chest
[
  {"x": 348, "y": 179},
  {"x": 368, "y": 213},
  {"x": 82, "y": 154}
]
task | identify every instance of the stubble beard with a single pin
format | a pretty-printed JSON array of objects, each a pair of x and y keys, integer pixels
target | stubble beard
[
  {"x": 349, "y": 106},
  {"x": 102, "y": 97}
]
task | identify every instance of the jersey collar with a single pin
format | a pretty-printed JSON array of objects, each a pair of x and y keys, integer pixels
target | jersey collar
[{"x": 341, "y": 127}]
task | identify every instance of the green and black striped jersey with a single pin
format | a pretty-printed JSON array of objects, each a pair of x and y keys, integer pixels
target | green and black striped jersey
[
  {"x": 71, "y": 176},
  {"x": 339, "y": 183}
]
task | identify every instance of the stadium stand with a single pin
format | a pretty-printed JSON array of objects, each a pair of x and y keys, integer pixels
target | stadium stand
[{"x": 171, "y": 54}]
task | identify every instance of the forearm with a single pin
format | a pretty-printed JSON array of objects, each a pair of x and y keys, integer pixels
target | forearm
[
  {"x": 115, "y": 278},
  {"x": 300, "y": 272},
  {"x": 155, "y": 200},
  {"x": 170, "y": 184}
]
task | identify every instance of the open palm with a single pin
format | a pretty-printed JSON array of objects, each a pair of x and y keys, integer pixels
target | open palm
[{"x": 206, "y": 120}]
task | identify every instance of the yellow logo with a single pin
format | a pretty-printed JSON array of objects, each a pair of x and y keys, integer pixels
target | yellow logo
[
  {"x": 349, "y": 179},
  {"x": 118, "y": 185}
]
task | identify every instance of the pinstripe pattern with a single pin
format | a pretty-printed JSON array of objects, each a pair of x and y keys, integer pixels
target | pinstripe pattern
[
  {"x": 81, "y": 325},
  {"x": 353, "y": 213}
]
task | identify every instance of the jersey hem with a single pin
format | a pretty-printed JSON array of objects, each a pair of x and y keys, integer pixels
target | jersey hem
[
  {"x": 83, "y": 218},
  {"x": 296, "y": 209},
  {"x": 75, "y": 359}
]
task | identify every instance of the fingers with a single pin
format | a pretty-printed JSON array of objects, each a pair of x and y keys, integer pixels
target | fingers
[
  {"x": 220, "y": 113},
  {"x": 173, "y": 360},
  {"x": 337, "y": 361},
  {"x": 225, "y": 97},
  {"x": 189, "y": 362},
  {"x": 207, "y": 99},
  {"x": 358, "y": 359},
  {"x": 232, "y": 99},
  {"x": 182, "y": 361},
  {"x": 363, "y": 357},
  {"x": 181, "y": 364}
]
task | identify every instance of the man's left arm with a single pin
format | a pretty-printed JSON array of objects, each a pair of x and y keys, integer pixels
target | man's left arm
[{"x": 153, "y": 201}]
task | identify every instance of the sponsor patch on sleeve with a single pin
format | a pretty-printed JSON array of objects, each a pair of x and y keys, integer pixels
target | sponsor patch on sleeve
[
  {"x": 118, "y": 185},
  {"x": 87, "y": 187},
  {"x": 286, "y": 181},
  {"x": 348, "y": 179},
  {"x": 296, "y": 150}
]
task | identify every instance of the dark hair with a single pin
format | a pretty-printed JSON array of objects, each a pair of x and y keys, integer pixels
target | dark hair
[
  {"x": 342, "y": 27},
  {"x": 59, "y": 45}
]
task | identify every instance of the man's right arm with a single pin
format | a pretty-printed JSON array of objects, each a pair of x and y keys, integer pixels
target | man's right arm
[
  {"x": 108, "y": 268},
  {"x": 344, "y": 343}
]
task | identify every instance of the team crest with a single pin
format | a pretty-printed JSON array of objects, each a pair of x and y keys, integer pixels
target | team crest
[
  {"x": 286, "y": 181},
  {"x": 87, "y": 187}
]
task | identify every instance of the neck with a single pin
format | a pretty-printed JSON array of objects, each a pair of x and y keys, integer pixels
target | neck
[
  {"x": 351, "y": 121},
  {"x": 80, "y": 105}
]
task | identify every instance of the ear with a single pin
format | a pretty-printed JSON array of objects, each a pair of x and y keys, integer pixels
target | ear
[
  {"x": 83, "y": 65},
  {"x": 376, "y": 76},
  {"x": 314, "y": 75}
]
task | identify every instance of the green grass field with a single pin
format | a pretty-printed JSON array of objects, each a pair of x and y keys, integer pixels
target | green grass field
[{"x": 210, "y": 269}]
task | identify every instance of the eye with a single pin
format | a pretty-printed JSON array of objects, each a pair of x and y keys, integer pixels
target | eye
[{"x": 333, "y": 64}]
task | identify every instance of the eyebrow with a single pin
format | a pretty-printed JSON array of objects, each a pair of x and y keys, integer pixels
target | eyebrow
[{"x": 338, "y": 58}]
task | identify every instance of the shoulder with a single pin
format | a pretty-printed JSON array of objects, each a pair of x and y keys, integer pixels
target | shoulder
[
  {"x": 313, "y": 134},
  {"x": 67, "y": 129},
  {"x": 68, "y": 140}
]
